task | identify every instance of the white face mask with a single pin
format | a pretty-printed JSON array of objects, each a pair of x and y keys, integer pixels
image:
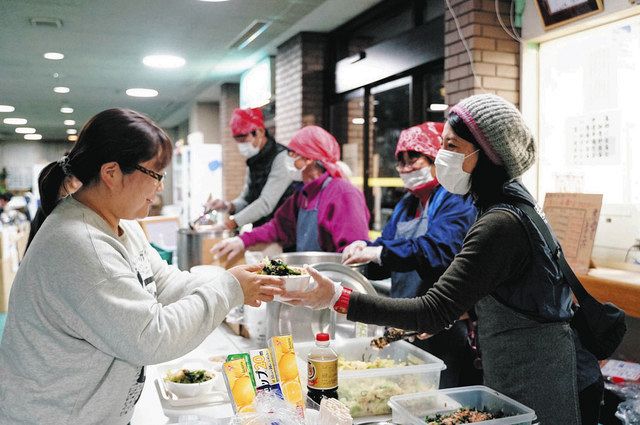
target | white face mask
[
  {"x": 416, "y": 178},
  {"x": 450, "y": 173},
  {"x": 294, "y": 172},
  {"x": 247, "y": 149}
]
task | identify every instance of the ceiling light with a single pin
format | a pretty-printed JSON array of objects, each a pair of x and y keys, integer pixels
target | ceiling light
[
  {"x": 61, "y": 89},
  {"x": 25, "y": 130},
  {"x": 249, "y": 34},
  {"x": 69, "y": 122},
  {"x": 437, "y": 107},
  {"x": 163, "y": 61},
  {"x": 53, "y": 56},
  {"x": 72, "y": 138},
  {"x": 7, "y": 108},
  {"x": 358, "y": 121},
  {"x": 33, "y": 136},
  {"x": 72, "y": 131},
  {"x": 14, "y": 121},
  {"x": 142, "y": 92},
  {"x": 66, "y": 110}
]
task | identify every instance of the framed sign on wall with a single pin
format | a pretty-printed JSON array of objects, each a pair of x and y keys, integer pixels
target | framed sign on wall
[{"x": 559, "y": 12}]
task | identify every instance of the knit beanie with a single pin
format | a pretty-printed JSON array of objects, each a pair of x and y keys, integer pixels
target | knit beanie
[{"x": 499, "y": 129}]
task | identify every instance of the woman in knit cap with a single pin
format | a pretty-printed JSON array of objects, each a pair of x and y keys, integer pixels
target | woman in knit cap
[
  {"x": 529, "y": 351},
  {"x": 326, "y": 214},
  {"x": 266, "y": 183},
  {"x": 419, "y": 242}
]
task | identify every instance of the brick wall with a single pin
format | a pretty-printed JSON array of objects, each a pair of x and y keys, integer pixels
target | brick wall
[
  {"x": 233, "y": 163},
  {"x": 299, "y": 83},
  {"x": 495, "y": 54}
]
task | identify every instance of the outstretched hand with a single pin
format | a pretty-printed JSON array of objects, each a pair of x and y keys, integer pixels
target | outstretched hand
[{"x": 257, "y": 287}]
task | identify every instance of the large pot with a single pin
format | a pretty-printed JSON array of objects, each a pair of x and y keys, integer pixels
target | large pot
[
  {"x": 194, "y": 246},
  {"x": 315, "y": 257}
]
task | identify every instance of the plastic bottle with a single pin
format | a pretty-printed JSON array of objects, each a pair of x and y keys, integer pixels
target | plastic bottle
[{"x": 322, "y": 368}]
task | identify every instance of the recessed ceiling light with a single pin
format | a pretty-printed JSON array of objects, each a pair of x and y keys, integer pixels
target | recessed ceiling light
[
  {"x": 53, "y": 56},
  {"x": 25, "y": 130},
  {"x": 163, "y": 61},
  {"x": 7, "y": 108},
  {"x": 437, "y": 107},
  {"x": 33, "y": 136},
  {"x": 72, "y": 138},
  {"x": 61, "y": 89},
  {"x": 69, "y": 122},
  {"x": 66, "y": 110},
  {"x": 142, "y": 92},
  {"x": 72, "y": 131},
  {"x": 15, "y": 121}
]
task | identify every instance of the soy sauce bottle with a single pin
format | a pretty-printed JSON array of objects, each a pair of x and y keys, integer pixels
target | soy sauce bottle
[{"x": 322, "y": 370}]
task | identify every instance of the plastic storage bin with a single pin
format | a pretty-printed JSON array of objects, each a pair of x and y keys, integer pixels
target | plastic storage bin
[
  {"x": 412, "y": 409},
  {"x": 366, "y": 392}
]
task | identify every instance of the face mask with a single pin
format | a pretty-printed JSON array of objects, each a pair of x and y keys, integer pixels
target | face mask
[
  {"x": 450, "y": 173},
  {"x": 294, "y": 172},
  {"x": 247, "y": 149},
  {"x": 416, "y": 178}
]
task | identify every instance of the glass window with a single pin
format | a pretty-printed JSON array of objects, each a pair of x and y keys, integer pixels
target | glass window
[{"x": 391, "y": 114}]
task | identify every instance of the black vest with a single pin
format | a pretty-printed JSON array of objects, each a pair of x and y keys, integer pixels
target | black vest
[{"x": 259, "y": 169}]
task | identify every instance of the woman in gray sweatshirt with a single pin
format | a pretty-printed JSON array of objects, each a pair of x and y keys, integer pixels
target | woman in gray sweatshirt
[{"x": 92, "y": 302}]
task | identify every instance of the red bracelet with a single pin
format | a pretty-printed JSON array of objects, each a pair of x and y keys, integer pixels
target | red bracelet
[{"x": 342, "y": 305}]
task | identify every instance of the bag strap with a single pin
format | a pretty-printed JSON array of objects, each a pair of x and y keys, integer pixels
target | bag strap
[{"x": 576, "y": 287}]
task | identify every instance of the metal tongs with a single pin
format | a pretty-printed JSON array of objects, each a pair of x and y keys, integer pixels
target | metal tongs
[
  {"x": 392, "y": 335},
  {"x": 192, "y": 224}
]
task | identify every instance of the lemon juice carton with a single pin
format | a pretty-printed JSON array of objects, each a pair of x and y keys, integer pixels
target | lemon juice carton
[
  {"x": 239, "y": 380},
  {"x": 264, "y": 373},
  {"x": 284, "y": 358}
]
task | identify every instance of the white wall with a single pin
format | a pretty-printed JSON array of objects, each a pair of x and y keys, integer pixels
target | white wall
[{"x": 20, "y": 157}]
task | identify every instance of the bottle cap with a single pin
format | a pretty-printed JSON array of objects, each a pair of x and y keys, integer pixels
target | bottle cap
[{"x": 322, "y": 336}]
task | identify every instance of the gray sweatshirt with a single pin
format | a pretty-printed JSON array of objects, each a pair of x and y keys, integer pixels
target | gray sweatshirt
[{"x": 88, "y": 309}]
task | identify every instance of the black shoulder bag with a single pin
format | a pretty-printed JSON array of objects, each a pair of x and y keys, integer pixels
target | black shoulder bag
[{"x": 600, "y": 327}]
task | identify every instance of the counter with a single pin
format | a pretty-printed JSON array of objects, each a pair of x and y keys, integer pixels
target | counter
[
  {"x": 222, "y": 341},
  {"x": 621, "y": 287}
]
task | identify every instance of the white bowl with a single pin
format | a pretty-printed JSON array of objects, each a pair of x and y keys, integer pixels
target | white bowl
[
  {"x": 294, "y": 283},
  {"x": 190, "y": 390}
]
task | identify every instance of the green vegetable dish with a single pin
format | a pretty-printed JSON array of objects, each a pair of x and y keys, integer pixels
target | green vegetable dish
[
  {"x": 186, "y": 376},
  {"x": 278, "y": 267},
  {"x": 463, "y": 415}
]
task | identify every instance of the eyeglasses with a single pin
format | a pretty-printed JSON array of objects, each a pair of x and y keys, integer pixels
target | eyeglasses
[{"x": 151, "y": 173}]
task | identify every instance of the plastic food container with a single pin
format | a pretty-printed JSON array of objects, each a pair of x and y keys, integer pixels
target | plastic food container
[
  {"x": 366, "y": 392},
  {"x": 412, "y": 409}
]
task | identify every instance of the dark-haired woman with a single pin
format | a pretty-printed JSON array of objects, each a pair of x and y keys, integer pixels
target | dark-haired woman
[
  {"x": 529, "y": 351},
  {"x": 418, "y": 243},
  {"x": 92, "y": 302}
]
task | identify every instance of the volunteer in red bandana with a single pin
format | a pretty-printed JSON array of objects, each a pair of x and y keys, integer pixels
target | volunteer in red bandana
[
  {"x": 419, "y": 242},
  {"x": 267, "y": 183}
]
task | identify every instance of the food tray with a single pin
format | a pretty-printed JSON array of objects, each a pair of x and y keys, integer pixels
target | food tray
[
  {"x": 412, "y": 409},
  {"x": 366, "y": 392},
  {"x": 215, "y": 396}
]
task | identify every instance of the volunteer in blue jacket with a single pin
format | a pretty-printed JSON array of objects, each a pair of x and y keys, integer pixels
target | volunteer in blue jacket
[{"x": 419, "y": 242}]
